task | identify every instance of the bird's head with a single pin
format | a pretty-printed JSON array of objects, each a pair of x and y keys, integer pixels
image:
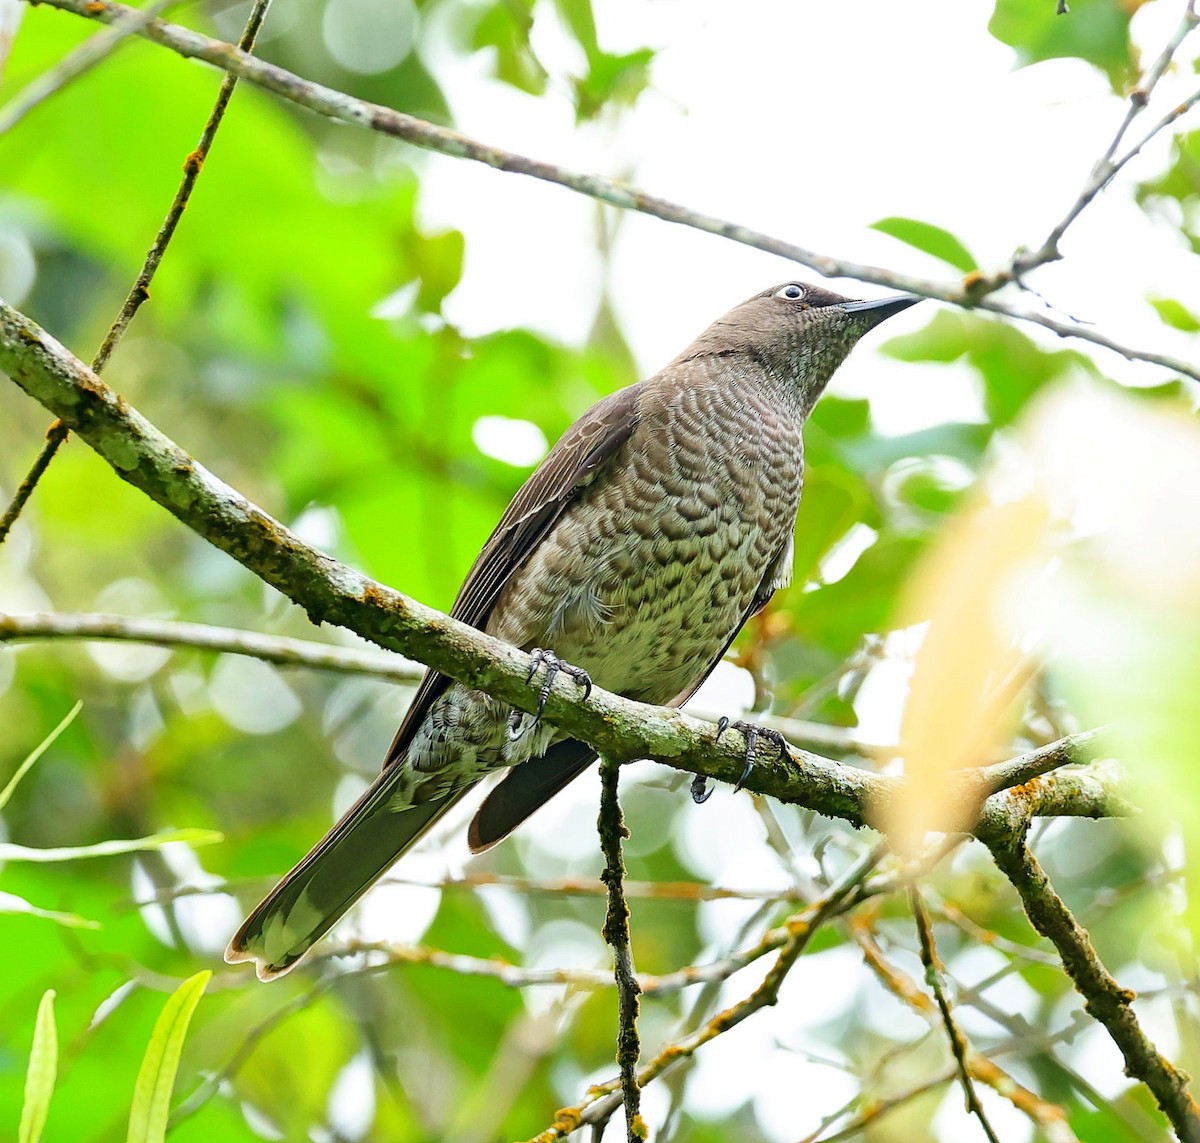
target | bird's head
[{"x": 797, "y": 332}]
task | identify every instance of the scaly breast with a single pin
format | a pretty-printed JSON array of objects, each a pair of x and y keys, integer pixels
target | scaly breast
[{"x": 646, "y": 576}]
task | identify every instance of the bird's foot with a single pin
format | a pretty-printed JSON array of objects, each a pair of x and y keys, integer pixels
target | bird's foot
[
  {"x": 539, "y": 657},
  {"x": 700, "y": 789}
]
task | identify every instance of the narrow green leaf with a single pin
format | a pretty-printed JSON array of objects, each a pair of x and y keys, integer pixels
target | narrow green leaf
[
  {"x": 9, "y": 852},
  {"x": 11, "y": 903},
  {"x": 930, "y": 239},
  {"x": 1176, "y": 314},
  {"x": 43, "y": 1070},
  {"x": 156, "y": 1077},
  {"x": 36, "y": 753}
]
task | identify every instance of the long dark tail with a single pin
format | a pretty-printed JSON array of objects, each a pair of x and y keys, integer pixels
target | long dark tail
[
  {"x": 337, "y": 871},
  {"x": 526, "y": 788}
]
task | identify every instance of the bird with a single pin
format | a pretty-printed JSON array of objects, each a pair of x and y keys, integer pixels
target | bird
[{"x": 656, "y": 526}]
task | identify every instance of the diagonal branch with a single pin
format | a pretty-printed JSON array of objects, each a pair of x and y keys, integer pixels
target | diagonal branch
[
  {"x": 331, "y": 592},
  {"x": 337, "y": 105},
  {"x": 134, "y": 20},
  {"x": 1108, "y": 165},
  {"x": 1104, "y": 998}
]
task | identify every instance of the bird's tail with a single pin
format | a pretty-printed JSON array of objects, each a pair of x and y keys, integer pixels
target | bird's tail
[{"x": 337, "y": 871}]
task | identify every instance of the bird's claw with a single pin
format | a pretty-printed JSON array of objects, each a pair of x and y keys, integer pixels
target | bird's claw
[
  {"x": 700, "y": 791},
  {"x": 540, "y": 657}
]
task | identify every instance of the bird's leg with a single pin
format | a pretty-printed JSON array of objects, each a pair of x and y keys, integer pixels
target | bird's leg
[
  {"x": 700, "y": 791},
  {"x": 540, "y": 657}
]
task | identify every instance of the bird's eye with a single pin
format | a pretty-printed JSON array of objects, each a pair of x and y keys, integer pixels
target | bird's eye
[{"x": 792, "y": 292}]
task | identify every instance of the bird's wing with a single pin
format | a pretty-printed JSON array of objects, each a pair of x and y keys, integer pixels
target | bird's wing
[
  {"x": 571, "y": 465},
  {"x": 369, "y": 837},
  {"x": 526, "y": 788}
]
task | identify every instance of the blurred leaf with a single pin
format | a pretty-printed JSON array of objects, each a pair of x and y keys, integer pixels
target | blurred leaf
[
  {"x": 505, "y": 27},
  {"x": 1014, "y": 367},
  {"x": 834, "y": 500},
  {"x": 930, "y": 239},
  {"x": 36, "y": 753},
  {"x": 1094, "y": 30},
  {"x": 1175, "y": 314},
  {"x": 968, "y": 669},
  {"x": 438, "y": 261},
  {"x": 612, "y": 79},
  {"x": 156, "y": 1079},
  {"x": 43, "y": 1068},
  {"x": 11, "y": 903},
  {"x": 193, "y": 837},
  {"x": 838, "y": 615}
]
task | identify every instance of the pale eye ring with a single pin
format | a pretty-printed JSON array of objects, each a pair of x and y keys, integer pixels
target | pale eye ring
[{"x": 792, "y": 292}]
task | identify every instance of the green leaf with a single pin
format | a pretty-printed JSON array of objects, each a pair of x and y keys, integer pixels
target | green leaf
[
  {"x": 41, "y": 1074},
  {"x": 110, "y": 848},
  {"x": 11, "y": 903},
  {"x": 1175, "y": 314},
  {"x": 1094, "y": 30},
  {"x": 36, "y": 753},
  {"x": 930, "y": 239},
  {"x": 505, "y": 28},
  {"x": 156, "y": 1078}
]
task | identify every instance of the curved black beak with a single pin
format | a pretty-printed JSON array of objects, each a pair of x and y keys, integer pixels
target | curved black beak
[{"x": 881, "y": 308}]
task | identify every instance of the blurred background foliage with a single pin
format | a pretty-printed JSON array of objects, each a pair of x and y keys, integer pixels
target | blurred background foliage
[{"x": 295, "y": 344}]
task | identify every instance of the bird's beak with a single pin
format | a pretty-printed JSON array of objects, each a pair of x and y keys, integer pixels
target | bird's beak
[{"x": 881, "y": 308}]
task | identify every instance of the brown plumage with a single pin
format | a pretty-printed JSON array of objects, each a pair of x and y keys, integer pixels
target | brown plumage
[{"x": 656, "y": 526}]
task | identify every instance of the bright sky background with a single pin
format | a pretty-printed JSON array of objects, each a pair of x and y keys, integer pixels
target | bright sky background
[{"x": 808, "y": 121}]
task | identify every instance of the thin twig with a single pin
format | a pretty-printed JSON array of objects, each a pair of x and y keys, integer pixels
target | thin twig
[
  {"x": 81, "y": 60},
  {"x": 1049, "y": 1117},
  {"x": 611, "y": 824},
  {"x": 933, "y": 975},
  {"x": 345, "y": 108},
  {"x": 874, "y": 1110},
  {"x": 1104, "y": 999},
  {"x": 248, "y": 1040},
  {"x": 278, "y": 649},
  {"x": 603, "y": 1099},
  {"x": 285, "y": 651},
  {"x": 137, "y": 21},
  {"x": 1107, "y": 166}
]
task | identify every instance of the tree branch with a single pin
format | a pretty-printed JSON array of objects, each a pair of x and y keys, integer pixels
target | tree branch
[
  {"x": 1107, "y": 166},
  {"x": 1104, "y": 999},
  {"x": 285, "y": 651},
  {"x": 972, "y": 292},
  {"x": 131, "y": 21},
  {"x": 612, "y": 828},
  {"x": 958, "y": 1044},
  {"x": 281, "y": 650},
  {"x": 331, "y": 592}
]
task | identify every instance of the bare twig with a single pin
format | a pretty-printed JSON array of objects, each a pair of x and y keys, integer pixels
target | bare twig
[
  {"x": 345, "y": 108},
  {"x": 1107, "y": 166},
  {"x": 1049, "y": 1117},
  {"x": 288, "y": 652},
  {"x": 1104, "y": 999},
  {"x": 603, "y": 1099},
  {"x": 248, "y": 1040},
  {"x": 136, "y": 22},
  {"x": 933, "y": 975},
  {"x": 874, "y": 1110},
  {"x": 278, "y": 649},
  {"x": 612, "y": 828},
  {"x": 81, "y": 60}
]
